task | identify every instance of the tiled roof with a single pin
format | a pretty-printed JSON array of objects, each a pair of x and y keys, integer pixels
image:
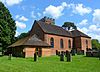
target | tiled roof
[
  {"x": 30, "y": 41},
  {"x": 53, "y": 29},
  {"x": 77, "y": 33}
]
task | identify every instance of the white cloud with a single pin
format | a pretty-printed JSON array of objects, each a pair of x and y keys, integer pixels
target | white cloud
[
  {"x": 3, "y": 1},
  {"x": 96, "y": 16},
  {"x": 22, "y": 18},
  {"x": 33, "y": 15},
  {"x": 39, "y": 14},
  {"x": 17, "y": 16},
  {"x": 97, "y": 37},
  {"x": 55, "y": 11},
  {"x": 94, "y": 36},
  {"x": 11, "y": 2},
  {"x": 80, "y": 9},
  {"x": 84, "y": 22},
  {"x": 84, "y": 30},
  {"x": 23, "y": 7},
  {"x": 93, "y": 27},
  {"x": 93, "y": 31},
  {"x": 17, "y": 33},
  {"x": 20, "y": 24}
]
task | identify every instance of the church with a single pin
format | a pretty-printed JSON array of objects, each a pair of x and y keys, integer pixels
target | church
[{"x": 45, "y": 39}]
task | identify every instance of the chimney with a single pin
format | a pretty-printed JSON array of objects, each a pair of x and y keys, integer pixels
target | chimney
[{"x": 48, "y": 20}]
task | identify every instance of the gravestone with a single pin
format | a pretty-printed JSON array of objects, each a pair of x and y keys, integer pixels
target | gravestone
[
  {"x": 69, "y": 59},
  {"x": 56, "y": 52},
  {"x": 9, "y": 54},
  {"x": 62, "y": 56},
  {"x": 66, "y": 53},
  {"x": 99, "y": 54},
  {"x": 73, "y": 52},
  {"x": 9, "y": 57},
  {"x": 35, "y": 57}
]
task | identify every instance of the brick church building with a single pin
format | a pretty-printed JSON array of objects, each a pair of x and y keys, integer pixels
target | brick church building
[{"x": 46, "y": 38}]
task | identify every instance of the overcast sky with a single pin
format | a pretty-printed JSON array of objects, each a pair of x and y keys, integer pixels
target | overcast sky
[{"x": 84, "y": 13}]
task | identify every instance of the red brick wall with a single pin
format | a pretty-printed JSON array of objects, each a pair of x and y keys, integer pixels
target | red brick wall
[
  {"x": 77, "y": 43},
  {"x": 29, "y": 52},
  {"x": 80, "y": 43},
  {"x": 57, "y": 42},
  {"x": 83, "y": 43},
  {"x": 46, "y": 52}
]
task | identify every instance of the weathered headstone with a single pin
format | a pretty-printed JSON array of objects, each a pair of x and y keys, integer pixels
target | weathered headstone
[
  {"x": 9, "y": 57},
  {"x": 69, "y": 59},
  {"x": 56, "y": 52},
  {"x": 87, "y": 49},
  {"x": 62, "y": 56},
  {"x": 66, "y": 53},
  {"x": 35, "y": 57},
  {"x": 73, "y": 52},
  {"x": 99, "y": 54},
  {"x": 9, "y": 54}
]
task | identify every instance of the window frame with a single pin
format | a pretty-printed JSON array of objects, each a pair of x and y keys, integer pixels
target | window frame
[
  {"x": 69, "y": 43},
  {"x": 61, "y": 44},
  {"x": 52, "y": 42}
]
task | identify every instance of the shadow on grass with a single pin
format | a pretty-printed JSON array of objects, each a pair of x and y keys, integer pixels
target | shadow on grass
[
  {"x": 91, "y": 57},
  {"x": 1, "y": 55}
]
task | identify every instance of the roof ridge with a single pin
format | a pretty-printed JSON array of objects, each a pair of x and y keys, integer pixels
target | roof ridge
[
  {"x": 79, "y": 33},
  {"x": 53, "y": 29}
]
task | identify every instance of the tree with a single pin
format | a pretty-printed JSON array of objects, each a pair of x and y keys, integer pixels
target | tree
[
  {"x": 7, "y": 27},
  {"x": 95, "y": 44},
  {"x": 22, "y": 35},
  {"x": 69, "y": 25}
]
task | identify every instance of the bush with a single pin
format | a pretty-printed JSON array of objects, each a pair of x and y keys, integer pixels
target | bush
[{"x": 0, "y": 49}]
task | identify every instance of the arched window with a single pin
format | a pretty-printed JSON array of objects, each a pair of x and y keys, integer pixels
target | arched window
[
  {"x": 61, "y": 43},
  {"x": 69, "y": 43},
  {"x": 86, "y": 43},
  {"x": 52, "y": 42}
]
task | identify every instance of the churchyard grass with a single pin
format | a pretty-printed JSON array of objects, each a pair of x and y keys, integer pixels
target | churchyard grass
[{"x": 79, "y": 63}]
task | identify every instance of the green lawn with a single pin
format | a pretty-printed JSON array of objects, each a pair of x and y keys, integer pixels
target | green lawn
[{"x": 49, "y": 64}]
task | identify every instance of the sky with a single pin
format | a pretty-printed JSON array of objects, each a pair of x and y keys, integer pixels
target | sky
[{"x": 84, "y": 13}]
